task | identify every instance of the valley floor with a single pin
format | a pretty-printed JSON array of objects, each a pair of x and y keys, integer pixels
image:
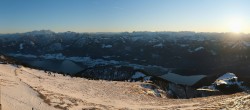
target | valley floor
[{"x": 24, "y": 89}]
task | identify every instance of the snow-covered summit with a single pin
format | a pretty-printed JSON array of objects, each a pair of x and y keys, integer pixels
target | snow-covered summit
[
  {"x": 227, "y": 83},
  {"x": 228, "y": 79},
  {"x": 227, "y": 76},
  {"x": 40, "y": 32}
]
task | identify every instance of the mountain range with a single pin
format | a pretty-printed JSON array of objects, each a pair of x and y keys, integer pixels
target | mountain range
[{"x": 185, "y": 58}]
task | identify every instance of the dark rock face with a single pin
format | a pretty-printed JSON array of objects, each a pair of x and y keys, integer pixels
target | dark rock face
[
  {"x": 9, "y": 60},
  {"x": 229, "y": 89},
  {"x": 205, "y": 93},
  {"x": 177, "y": 90}
]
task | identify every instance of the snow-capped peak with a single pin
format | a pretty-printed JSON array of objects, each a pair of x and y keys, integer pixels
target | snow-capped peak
[
  {"x": 228, "y": 79},
  {"x": 227, "y": 76},
  {"x": 40, "y": 32}
]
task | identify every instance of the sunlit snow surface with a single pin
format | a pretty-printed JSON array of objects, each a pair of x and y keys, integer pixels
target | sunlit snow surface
[{"x": 228, "y": 78}]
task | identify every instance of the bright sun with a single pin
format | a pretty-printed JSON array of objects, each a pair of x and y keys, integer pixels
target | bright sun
[{"x": 236, "y": 26}]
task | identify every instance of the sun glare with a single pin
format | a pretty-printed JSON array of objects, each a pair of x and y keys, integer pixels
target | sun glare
[{"x": 236, "y": 26}]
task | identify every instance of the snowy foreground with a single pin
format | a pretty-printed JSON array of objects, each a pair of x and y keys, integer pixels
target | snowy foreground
[{"x": 24, "y": 89}]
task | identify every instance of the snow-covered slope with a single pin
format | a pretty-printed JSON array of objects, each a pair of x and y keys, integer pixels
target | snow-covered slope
[
  {"x": 24, "y": 88},
  {"x": 16, "y": 94},
  {"x": 48, "y": 92}
]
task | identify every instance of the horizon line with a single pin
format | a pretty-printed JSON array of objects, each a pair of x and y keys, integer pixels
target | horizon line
[{"x": 124, "y": 32}]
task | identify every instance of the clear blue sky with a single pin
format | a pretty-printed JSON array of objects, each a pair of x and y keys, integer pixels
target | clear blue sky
[{"x": 124, "y": 15}]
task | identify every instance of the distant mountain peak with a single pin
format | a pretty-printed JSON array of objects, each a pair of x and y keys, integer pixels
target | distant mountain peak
[{"x": 40, "y": 32}]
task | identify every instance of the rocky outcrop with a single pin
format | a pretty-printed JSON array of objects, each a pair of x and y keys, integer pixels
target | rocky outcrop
[
  {"x": 181, "y": 91},
  {"x": 227, "y": 84}
]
